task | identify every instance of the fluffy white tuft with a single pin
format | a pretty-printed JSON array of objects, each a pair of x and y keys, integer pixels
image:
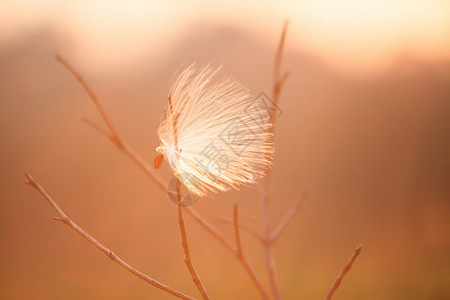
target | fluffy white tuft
[{"x": 214, "y": 134}]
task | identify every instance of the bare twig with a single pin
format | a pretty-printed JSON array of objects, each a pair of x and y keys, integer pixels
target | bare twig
[
  {"x": 279, "y": 81},
  {"x": 240, "y": 254},
  {"x": 234, "y": 250},
  {"x": 62, "y": 217},
  {"x": 278, "y": 78},
  {"x": 113, "y": 134},
  {"x": 236, "y": 229},
  {"x": 287, "y": 218},
  {"x": 98, "y": 104},
  {"x": 187, "y": 255},
  {"x": 344, "y": 271},
  {"x": 131, "y": 153},
  {"x": 268, "y": 248},
  {"x": 99, "y": 128},
  {"x": 279, "y": 229},
  {"x": 184, "y": 242}
]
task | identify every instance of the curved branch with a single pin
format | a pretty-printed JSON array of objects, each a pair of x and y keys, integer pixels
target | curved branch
[
  {"x": 344, "y": 271},
  {"x": 62, "y": 217},
  {"x": 276, "y": 233},
  {"x": 94, "y": 98},
  {"x": 278, "y": 84},
  {"x": 240, "y": 255}
]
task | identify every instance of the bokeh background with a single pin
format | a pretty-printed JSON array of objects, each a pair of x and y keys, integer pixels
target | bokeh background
[{"x": 365, "y": 128}]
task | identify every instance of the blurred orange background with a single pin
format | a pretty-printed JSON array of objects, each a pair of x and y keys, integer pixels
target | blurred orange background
[{"x": 365, "y": 128}]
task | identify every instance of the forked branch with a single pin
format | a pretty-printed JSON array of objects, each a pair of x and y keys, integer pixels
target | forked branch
[
  {"x": 114, "y": 134},
  {"x": 63, "y": 218},
  {"x": 279, "y": 229}
]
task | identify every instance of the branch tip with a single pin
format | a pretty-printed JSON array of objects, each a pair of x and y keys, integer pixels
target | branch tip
[
  {"x": 236, "y": 230},
  {"x": 276, "y": 233},
  {"x": 344, "y": 271}
]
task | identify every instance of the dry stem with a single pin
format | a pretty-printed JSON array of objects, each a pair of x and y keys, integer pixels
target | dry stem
[
  {"x": 268, "y": 248},
  {"x": 236, "y": 229},
  {"x": 114, "y": 134},
  {"x": 62, "y": 217},
  {"x": 344, "y": 271},
  {"x": 240, "y": 255},
  {"x": 279, "y": 81},
  {"x": 184, "y": 242},
  {"x": 278, "y": 78},
  {"x": 187, "y": 255},
  {"x": 276, "y": 233}
]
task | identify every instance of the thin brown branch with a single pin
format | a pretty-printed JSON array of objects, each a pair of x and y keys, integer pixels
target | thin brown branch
[
  {"x": 236, "y": 229},
  {"x": 276, "y": 233},
  {"x": 112, "y": 135},
  {"x": 279, "y": 81},
  {"x": 187, "y": 255},
  {"x": 240, "y": 254},
  {"x": 279, "y": 229},
  {"x": 241, "y": 258},
  {"x": 278, "y": 78},
  {"x": 62, "y": 217},
  {"x": 99, "y": 128},
  {"x": 161, "y": 184},
  {"x": 268, "y": 248},
  {"x": 94, "y": 98},
  {"x": 344, "y": 271},
  {"x": 279, "y": 54},
  {"x": 184, "y": 243},
  {"x": 136, "y": 158}
]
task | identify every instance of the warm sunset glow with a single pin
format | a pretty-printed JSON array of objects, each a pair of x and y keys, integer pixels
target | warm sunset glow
[
  {"x": 96, "y": 95},
  {"x": 351, "y": 34}
]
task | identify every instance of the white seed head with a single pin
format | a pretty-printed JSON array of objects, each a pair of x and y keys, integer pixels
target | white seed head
[{"x": 214, "y": 134}]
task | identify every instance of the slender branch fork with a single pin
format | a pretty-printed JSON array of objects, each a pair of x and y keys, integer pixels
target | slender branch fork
[
  {"x": 279, "y": 229},
  {"x": 62, "y": 217},
  {"x": 269, "y": 236}
]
